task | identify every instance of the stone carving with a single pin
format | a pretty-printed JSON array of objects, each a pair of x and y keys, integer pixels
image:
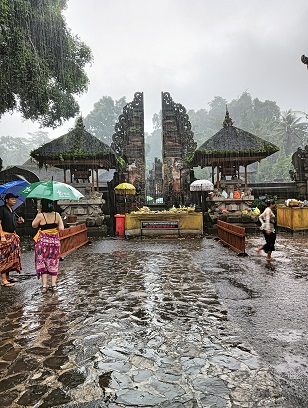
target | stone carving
[
  {"x": 129, "y": 130},
  {"x": 128, "y": 143},
  {"x": 300, "y": 164},
  {"x": 178, "y": 146},
  {"x": 300, "y": 172}
]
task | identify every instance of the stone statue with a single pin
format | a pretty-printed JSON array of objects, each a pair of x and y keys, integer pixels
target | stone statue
[
  {"x": 298, "y": 164},
  {"x": 300, "y": 173}
]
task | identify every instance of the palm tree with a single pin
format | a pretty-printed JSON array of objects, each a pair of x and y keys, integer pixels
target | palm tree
[
  {"x": 291, "y": 132},
  {"x": 303, "y": 114}
]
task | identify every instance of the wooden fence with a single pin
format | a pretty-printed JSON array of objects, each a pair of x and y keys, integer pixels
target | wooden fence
[
  {"x": 73, "y": 238},
  {"x": 232, "y": 236}
]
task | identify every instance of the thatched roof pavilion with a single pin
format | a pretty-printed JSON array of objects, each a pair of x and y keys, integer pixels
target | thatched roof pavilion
[
  {"x": 231, "y": 148},
  {"x": 77, "y": 151}
]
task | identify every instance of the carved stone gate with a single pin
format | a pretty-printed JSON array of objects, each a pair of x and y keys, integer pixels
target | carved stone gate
[
  {"x": 128, "y": 143},
  {"x": 178, "y": 146}
]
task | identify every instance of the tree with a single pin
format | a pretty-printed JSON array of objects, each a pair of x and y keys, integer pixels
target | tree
[
  {"x": 157, "y": 120},
  {"x": 264, "y": 173},
  {"x": 282, "y": 166},
  {"x": 154, "y": 142},
  {"x": 291, "y": 132},
  {"x": 241, "y": 111},
  {"x": 216, "y": 114},
  {"x": 199, "y": 125},
  {"x": 254, "y": 116},
  {"x": 266, "y": 115},
  {"x": 101, "y": 120},
  {"x": 42, "y": 62}
]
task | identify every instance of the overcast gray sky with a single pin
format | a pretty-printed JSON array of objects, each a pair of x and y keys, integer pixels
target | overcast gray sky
[{"x": 195, "y": 49}]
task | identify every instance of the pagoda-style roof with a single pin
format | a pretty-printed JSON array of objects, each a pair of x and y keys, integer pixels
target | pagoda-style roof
[
  {"x": 77, "y": 147},
  {"x": 232, "y": 144}
]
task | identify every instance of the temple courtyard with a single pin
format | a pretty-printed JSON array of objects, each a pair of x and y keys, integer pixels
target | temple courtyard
[{"x": 159, "y": 323}]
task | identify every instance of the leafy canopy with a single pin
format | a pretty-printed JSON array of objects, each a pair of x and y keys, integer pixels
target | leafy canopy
[
  {"x": 42, "y": 63},
  {"x": 101, "y": 120}
]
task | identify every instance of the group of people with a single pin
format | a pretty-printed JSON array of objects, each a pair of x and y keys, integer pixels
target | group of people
[{"x": 47, "y": 242}]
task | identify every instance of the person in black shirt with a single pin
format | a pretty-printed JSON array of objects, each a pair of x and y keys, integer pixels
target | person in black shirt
[
  {"x": 9, "y": 240},
  {"x": 47, "y": 244}
]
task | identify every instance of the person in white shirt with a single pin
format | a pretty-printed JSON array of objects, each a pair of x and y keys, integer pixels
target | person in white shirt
[{"x": 267, "y": 219}]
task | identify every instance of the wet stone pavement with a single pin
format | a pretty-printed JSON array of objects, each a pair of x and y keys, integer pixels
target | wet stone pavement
[{"x": 133, "y": 324}]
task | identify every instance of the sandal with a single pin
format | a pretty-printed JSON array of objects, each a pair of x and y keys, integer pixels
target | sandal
[
  {"x": 7, "y": 284},
  {"x": 44, "y": 289},
  {"x": 54, "y": 288},
  {"x": 11, "y": 280}
]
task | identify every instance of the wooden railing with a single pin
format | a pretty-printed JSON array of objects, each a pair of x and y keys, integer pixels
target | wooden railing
[
  {"x": 232, "y": 236},
  {"x": 73, "y": 238}
]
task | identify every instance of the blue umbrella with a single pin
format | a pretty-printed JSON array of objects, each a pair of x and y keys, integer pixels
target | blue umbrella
[{"x": 13, "y": 187}]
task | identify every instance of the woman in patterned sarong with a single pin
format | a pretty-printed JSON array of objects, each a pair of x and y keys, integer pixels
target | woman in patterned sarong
[
  {"x": 9, "y": 256},
  {"x": 47, "y": 244},
  {"x": 9, "y": 240}
]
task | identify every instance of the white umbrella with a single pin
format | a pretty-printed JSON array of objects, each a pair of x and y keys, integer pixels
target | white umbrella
[{"x": 201, "y": 185}]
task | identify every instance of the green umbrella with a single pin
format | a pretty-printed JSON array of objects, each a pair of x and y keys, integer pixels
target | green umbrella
[{"x": 52, "y": 190}]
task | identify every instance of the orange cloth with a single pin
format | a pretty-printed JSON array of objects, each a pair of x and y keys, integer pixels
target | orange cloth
[{"x": 51, "y": 231}]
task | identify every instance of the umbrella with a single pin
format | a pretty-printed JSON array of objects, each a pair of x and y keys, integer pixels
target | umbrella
[
  {"x": 125, "y": 189},
  {"x": 201, "y": 185},
  {"x": 13, "y": 187},
  {"x": 51, "y": 190}
]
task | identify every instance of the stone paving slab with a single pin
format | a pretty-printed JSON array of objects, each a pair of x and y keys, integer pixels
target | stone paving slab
[{"x": 134, "y": 324}]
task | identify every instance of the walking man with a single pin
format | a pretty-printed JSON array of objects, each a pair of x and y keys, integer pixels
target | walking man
[{"x": 9, "y": 240}]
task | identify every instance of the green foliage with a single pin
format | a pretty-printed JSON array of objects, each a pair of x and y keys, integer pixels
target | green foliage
[
  {"x": 275, "y": 168},
  {"x": 121, "y": 163},
  {"x": 188, "y": 159},
  {"x": 282, "y": 166},
  {"x": 42, "y": 62},
  {"x": 101, "y": 120},
  {"x": 74, "y": 155},
  {"x": 200, "y": 125},
  {"x": 291, "y": 132},
  {"x": 261, "y": 202},
  {"x": 154, "y": 143},
  {"x": 263, "y": 119},
  {"x": 157, "y": 120}
]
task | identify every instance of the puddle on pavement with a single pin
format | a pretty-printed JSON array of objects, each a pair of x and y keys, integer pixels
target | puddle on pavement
[
  {"x": 251, "y": 293},
  {"x": 138, "y": 312}
]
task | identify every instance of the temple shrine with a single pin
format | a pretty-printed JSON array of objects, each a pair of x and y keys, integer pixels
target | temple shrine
[{"x": 229, "y": 150}]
